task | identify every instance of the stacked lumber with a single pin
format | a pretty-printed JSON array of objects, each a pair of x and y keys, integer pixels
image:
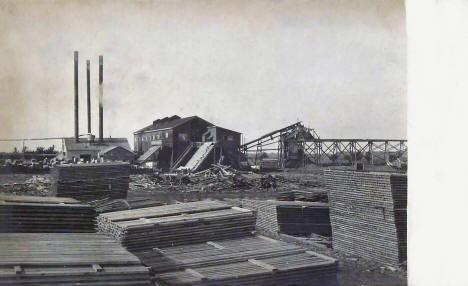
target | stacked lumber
[
  {"x": 111, "y": 205},
  {"x": 301, "y": 218},
  {"x": 265, "y": 213},
  {"x": 88, "y": 182},
  {"x": 313, "y": 195},
  {"x": 178, "y": 224},
  {"x": 295, "y": 218},
  {"x": 242, "y": 261},
  {"x": 368, "y": 214},
  {"x": 67, "y": 259},
  {"x": 45, "y": 214}
]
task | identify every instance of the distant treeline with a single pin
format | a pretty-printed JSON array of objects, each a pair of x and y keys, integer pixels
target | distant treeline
[{"x": 40, "y": 153}]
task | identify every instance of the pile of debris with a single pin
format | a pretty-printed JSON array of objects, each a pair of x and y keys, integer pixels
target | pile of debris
[
  {"x": 216, "y": 178},
  {"x": 37, "y": 185}
]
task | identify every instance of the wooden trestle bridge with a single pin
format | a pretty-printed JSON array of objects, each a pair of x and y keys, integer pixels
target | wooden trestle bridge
[{"x": 297, "y": 145}]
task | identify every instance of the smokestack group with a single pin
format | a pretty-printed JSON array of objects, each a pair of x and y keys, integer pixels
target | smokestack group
[
  {"x": 88, "y": 79},
  {"x": 101, "y": 135},
  {"x": 76, "y": 97}
]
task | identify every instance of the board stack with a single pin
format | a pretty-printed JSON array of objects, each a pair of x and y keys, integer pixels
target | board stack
[
  {"x": 67, "y": 259},
  {"x": 45, "y": 214},
  {"x": 178, "y": 224},
  {"x": 314, "y": 195},
  {"x": 368, "y": 214},
  {"x": 300, "y": 218},
  {"x": 254, "y": 260},
  {"x": 111, "y": 205},
  {"x": 265, "y": 213},
  {"x": 294, "y": 218},
  {"x": 88, "y": 182}
]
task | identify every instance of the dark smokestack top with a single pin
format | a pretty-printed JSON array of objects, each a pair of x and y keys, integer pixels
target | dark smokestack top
[
  {"x": 76, "y": 96},
  {"x": 101, "y": 113},
  {"x": 88, "y": 89}
]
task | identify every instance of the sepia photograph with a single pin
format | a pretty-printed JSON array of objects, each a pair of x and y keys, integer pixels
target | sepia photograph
[{"x": 221, "y": 143}]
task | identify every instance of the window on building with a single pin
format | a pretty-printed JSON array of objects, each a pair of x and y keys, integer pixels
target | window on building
[
  {"x": 230, "y": 138},
  {"x": 167, "y": 134}
]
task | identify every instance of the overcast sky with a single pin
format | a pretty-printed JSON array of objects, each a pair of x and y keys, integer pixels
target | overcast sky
[{"x": 250, "y": 66}]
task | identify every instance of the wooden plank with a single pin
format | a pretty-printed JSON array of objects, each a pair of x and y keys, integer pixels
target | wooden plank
[
  {"x": 196, "y": 274},
  {"x": 262, "y": 264},
  {"x": 97, "y": 268}
]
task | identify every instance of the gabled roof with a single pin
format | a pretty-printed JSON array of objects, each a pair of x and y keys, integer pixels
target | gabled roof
[
  {"x": 104, "y": 151},
  {"x": 168, "y": 123},
  {"x": 225, "y": 129},
  {"x": 85, "y": 144}
]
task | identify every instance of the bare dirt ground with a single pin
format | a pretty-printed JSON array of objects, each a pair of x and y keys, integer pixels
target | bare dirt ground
[{"x": 352, "y": 270}]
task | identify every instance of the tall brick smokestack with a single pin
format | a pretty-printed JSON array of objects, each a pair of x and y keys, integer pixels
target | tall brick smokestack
[
  {"x": 76, "y": 97},
  {"x": 101, "y": 135},
  {"x": 88, "y": 87}
]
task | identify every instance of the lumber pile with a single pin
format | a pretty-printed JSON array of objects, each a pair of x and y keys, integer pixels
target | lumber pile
[
  {"x": 88, "y": 182},
  {"x": 45, "y": 214},
  {"x": 111, "y": 205},
  {"x": 315, "y": 195},
  {"x": 254, "y": 260},
  {"x": 368, "y": 214},
  {"x": 178, "y": 224},
  {"x": 295, "y": 218},
  {"x": 68, "y": 260},
  {"x": 265, "y": 213},
  {"x": 299, "y": 218}
]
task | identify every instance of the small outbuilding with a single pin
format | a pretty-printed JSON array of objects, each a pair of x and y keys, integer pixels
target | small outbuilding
[
  {"x": 89, "y": 148},
  {"x": 117, "y": 153}
]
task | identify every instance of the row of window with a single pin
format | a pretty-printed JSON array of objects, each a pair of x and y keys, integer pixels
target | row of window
[{"x": 152, "y": 137}]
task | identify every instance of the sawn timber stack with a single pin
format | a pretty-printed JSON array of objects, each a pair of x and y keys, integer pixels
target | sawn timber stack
[
  {"x": 295, "y": 218},
  {"x": 88, "y": 182},
  {"x": 67, "y": 260},
  {"x": 368, "y": 214},
  {"x": 45, "y": 214},
  {"x": 178, "y": 224},
  {"x": 254, "y": 260}
]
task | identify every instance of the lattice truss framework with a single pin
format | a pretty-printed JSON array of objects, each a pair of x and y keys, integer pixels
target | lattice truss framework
[
  {"x": 325, "y": 151},
  {"x": 353, "y": 150}
]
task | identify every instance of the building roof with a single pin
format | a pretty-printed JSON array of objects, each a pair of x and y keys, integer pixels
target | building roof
[
  {"x": 86, "y": 145},
  {"x": 104, "y": 151},
  {"x": 224, "y": 129},
  {"x": 168, "y": 123}
]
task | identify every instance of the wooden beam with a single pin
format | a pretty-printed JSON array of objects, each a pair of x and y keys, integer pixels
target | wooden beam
[
  {"x": 97, "y": 268},
  {"x": 263, "y": 264}
]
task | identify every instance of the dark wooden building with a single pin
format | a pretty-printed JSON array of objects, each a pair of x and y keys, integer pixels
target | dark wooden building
[{"x": 172, "y": 141}]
